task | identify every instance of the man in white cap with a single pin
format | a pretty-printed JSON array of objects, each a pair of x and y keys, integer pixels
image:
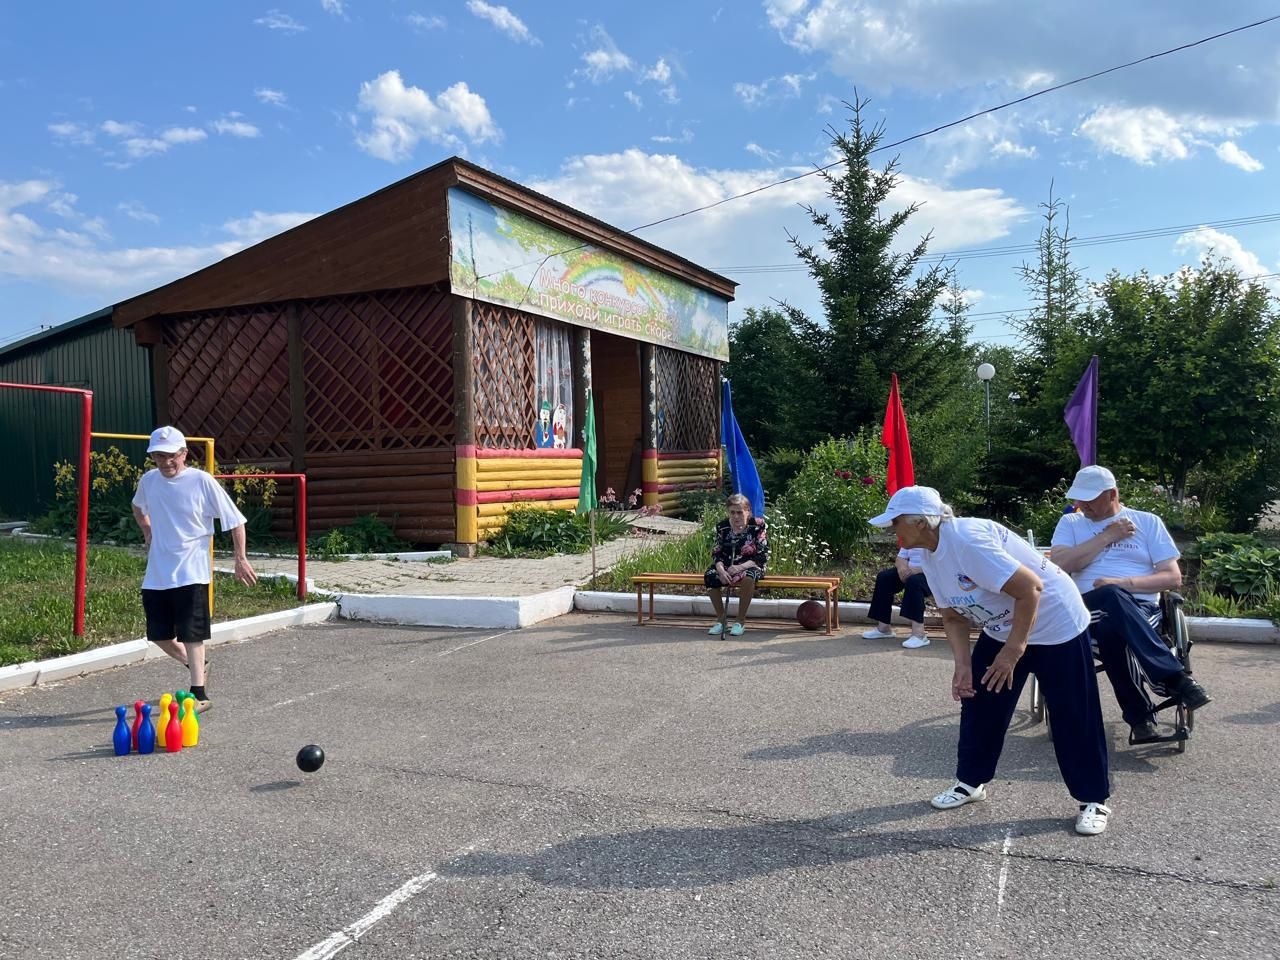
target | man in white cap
[
  {"x": 1121, "y": 559},
  {"x": 1032, "y": 620},
  {"x": 175, "y": 508}
]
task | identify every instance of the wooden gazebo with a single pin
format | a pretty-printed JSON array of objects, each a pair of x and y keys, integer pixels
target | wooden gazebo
[{"x": 425, "y": 354}]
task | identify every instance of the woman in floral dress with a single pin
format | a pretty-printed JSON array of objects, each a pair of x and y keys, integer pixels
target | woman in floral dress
[{"x": 738, "y": 557}]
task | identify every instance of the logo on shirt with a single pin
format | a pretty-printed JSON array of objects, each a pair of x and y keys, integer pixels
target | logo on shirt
[{"x": 966, "y": 584}]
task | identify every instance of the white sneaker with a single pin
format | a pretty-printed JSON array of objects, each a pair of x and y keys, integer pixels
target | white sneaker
[
  {"x": 1092, "y": 819},
  {"x": 875, "y": 633},
  {"x": 959, "y": 794},
  {"x": 915, "y": 643}
]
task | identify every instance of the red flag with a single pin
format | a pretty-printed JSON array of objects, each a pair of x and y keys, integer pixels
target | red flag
[{"x": 900, "y": 473}]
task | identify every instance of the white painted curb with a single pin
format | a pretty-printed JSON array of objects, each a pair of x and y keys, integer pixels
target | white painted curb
[
  {"x": 1216, "y": 629},
  {"x": 411, "y": 556},
  {"x": 136, "y": 651},
  {"x": 457, "y": 611}
]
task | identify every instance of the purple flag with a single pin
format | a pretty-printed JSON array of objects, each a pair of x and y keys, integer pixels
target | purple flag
[{"x": 1081, "y": 415}]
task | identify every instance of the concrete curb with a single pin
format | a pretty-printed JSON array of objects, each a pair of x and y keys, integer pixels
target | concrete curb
[
  {"x": 1216, "y": 629},
  {"x": 38, "y": 672},
  {"x": 457, "y": 611}
]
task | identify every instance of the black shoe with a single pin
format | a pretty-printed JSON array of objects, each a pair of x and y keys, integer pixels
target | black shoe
[
  {"x": 1144, "y": 732},
  {"x": 1188, "y": 691}
]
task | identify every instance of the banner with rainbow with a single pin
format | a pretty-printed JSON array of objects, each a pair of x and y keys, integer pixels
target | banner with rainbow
[{"x": 503, "y": 257}]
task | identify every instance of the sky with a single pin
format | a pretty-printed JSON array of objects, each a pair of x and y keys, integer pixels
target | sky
[{"x": 142, "y": 141}]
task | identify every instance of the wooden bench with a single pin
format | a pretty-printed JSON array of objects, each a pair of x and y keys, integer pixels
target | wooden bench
[{"x": 828, "y": 586}]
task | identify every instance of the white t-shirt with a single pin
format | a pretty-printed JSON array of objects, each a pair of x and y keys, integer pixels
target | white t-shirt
[
  {"x": 976, "y": 557},
  {"x": 182, "y": 512},
  {"x": 1134, "y": 556},
  {"x": 913, "y": 555}
]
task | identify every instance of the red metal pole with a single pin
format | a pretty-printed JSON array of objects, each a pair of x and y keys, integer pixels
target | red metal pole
[
  {"x": 82, "y": 531},
  {"x": 302, "y": 538}
]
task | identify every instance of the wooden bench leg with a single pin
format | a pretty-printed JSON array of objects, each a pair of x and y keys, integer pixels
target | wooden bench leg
[
  {"x": 651, "y": 601},
  {"x": 829, "y": 613},
  {"x": 639, "y": 604}
]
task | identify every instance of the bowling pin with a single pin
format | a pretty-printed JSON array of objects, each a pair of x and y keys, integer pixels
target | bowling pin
[
  {"x": 137, "y": 722},
  {"x": 146, "y": 732},
  {"x": 173, "y": 732},
  {"x": 190, "y": 725},
  {"x": 121, "y": 737},
  {"x": 164, "y": 718}
]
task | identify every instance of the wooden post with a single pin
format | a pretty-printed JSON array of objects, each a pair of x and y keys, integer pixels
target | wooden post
[
  {"x": 160, "y": 382},
  {"x": 297, "y": 395},
  {"x": 466, "y": 529}
]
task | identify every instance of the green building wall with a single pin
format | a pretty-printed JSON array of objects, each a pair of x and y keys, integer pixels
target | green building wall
[{"x": 37, "y": 429}]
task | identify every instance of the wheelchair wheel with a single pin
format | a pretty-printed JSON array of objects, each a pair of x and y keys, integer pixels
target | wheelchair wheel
[{"x": 1178, "y": 637}]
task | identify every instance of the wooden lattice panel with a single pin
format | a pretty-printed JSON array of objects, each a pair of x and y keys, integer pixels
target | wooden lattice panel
[
  {"x": 688, "y": 396},
  {"x": 504, "y": 354},
  {"x": 378, "y": 371},
  {"x": 229, "y": 379}
]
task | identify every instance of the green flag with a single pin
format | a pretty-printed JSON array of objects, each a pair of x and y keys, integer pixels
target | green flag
[{"x": 587, "y": 485}]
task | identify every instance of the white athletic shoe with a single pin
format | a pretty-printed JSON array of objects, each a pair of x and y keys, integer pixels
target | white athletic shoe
[
  {"x": 1092, "y": 819},
  {"x": 875, "y": 633},
  {"x": 915, "y": 643}
]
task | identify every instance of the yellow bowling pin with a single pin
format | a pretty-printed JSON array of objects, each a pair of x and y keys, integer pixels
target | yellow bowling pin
[
  {"x": 163, "y": 720},
  {"x": 190, "y": 726}
]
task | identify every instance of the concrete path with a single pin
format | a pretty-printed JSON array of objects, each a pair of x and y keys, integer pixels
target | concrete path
[{"x": 589, "y": 789}]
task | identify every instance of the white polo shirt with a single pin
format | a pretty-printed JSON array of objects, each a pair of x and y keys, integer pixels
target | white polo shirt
[
  {"x": 1134, "y": 556},
  {"x": 976, "y": 557},
  {"x": 182, "y": 511}
]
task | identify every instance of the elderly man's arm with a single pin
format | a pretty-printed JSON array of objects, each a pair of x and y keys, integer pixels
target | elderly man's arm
[
  {"x": 1076, "y": 558},
  {"x": 1167, "y": 575}
]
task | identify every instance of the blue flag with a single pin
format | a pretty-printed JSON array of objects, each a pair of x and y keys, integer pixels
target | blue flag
[{"x": 742, "y": 468}]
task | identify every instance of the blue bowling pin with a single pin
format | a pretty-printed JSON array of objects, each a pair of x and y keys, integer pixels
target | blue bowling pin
[
  {"x": 122, "y": 738},
  {"x": 146, "y": 732}
]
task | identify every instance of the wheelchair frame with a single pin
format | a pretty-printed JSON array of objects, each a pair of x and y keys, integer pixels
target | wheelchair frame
[{"x": 1174, "y": 632}]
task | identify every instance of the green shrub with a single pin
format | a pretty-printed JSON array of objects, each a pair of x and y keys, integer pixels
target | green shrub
[
  {"x": 330, "y": 545},
  {"x": 840, "y": 487},
  {"x": 1212, "y": 544},
  {"x": 113, "y": 478},
  {"x": 778, "y": 468},
  {"x": 531, "y": 531},
  {"x": 1251, "y": 574},
  {"x": 368, "y": 534}
]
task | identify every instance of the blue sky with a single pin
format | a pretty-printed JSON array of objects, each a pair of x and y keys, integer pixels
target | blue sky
[{"x": 145, "y": 140}]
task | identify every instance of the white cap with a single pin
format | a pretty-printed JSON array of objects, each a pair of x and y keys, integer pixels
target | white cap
[
  {"x": 1091, "y": 482},
  {"x": 166, "y": 440},
  {"x": 923, "y": 501}
]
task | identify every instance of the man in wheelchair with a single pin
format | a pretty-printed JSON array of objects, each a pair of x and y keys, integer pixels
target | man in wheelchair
[{"x": 1120, "y": 559}]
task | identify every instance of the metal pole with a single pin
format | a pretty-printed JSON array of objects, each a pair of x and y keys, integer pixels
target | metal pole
[
  {"x": 82, "y": 522},
  {"x": 987, "y": 385}
]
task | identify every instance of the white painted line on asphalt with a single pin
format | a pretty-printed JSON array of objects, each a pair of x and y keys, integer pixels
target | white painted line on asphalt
[
  {"x": 313, "y": 693},
  {"x": 331, "y": 946},
  {"x": 334, "y": 944},
  {"x": 474, "y": 642},
  {"x": 1004, "y": 873}
]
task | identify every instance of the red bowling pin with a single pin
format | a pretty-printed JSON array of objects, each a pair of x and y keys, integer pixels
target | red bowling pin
[
  {"x": 137, "y": 721},
  {"x": 173, "y": 732}
]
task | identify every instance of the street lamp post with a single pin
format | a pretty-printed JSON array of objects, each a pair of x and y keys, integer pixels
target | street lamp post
[{"x": 985, "y": 372}]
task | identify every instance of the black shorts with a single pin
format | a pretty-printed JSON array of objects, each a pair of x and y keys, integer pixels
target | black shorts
[{"x": 181, "y": 613}]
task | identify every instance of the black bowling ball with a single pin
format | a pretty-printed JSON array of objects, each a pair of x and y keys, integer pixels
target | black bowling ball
[{"x": 310, "y": 758}]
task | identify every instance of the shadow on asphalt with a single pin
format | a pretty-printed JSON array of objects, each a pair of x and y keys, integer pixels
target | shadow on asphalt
[
  {"x": 682, "y": 857},
  {"x": 103, "y": 715},
  {"x": 1264, "y": 717},
  {"x": 275, "y": 786}
]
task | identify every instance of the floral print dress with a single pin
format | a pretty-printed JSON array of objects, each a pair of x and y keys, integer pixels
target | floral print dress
[{"x": 730, "y": 548}]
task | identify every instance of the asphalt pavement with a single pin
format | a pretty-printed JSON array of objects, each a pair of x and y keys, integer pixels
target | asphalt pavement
[{"x": 588, "y": 788}]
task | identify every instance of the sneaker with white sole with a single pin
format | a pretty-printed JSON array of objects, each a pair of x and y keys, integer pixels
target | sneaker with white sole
[
  {"x": 737, "y": 630},
  {"x": 875, "y": 633},
  {"x": 717, "y": 628},
  {"x": 1092, "y": 819},
  {"x": 915, "y": 643},
  {"x": 959, "y": 794}
]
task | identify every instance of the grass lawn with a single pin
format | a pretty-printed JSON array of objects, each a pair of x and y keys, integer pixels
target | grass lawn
[{"x": 37, "y": 602}]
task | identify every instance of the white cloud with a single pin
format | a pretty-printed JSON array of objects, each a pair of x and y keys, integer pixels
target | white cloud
[
  {"x": 275, "y": 20},
  {"x": 620, "y": 189},
  {"x": 606, "y": 59},
  {"x": 139, "y": 147},
  {"x": 183, "y": 135},
  {"x": 403, "y": 116},
  {"x": 685, "y": 136},
  {"x": 1141, "y": 134},
  {"x": 420, "y": 22},
  {"x": 502, "y": 18},
  {"x": 63, "y": 204},
  {"x": 785, "y": 87},
  {"x": 769, "y": 156},
  {"x": 137, "y": 211},
  {"x": 71, "y": 133},
  {"x": 274, "y": 97},
  {"x": 634, "y": 99},
  {"x": 1229, "y": 152},
  {"x": 1007, "y": 148},
  {"x": 335, "y": 7},
  {"x": 116, "y": 129},
  {"x": 82, "y": 261},
  {"x": 1205, "y": 240},
  {"x": 660, "y": 72},
  {"x": 236, "y": 128}
]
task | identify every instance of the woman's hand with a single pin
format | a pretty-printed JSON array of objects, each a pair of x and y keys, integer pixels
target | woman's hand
[
  {"x": 962, "y": 682},
  {"x": 1000, "y": 674}
]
